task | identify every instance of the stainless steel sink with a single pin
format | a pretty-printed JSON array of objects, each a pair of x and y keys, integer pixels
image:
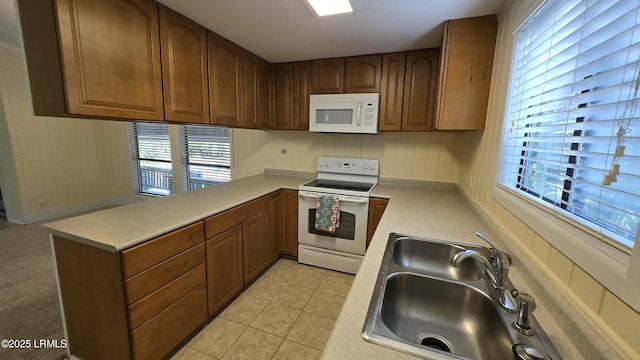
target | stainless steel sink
[
  {"x": 433, "y": 257},
  {"x": 425, "y": 307},
  {"x": 444, "y": 316}
]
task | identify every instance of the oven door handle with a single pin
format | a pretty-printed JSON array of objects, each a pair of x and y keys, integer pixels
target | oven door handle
[{"x": 346, "y": 200}]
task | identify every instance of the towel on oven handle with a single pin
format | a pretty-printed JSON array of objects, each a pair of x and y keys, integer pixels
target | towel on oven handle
[{"x": 327, "y": 212}]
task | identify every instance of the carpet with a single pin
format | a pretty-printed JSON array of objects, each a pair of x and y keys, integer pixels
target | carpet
[{"x": 29, "y": 307}]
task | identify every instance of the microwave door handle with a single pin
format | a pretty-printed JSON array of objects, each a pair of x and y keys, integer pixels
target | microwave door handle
[{"x": 358, "y": 114}]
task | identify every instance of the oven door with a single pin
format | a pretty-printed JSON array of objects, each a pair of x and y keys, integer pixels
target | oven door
[{"x": 351, "y": 234}]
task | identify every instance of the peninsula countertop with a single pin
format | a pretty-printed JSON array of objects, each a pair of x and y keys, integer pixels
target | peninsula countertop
[{"x": 122, "y": 227}]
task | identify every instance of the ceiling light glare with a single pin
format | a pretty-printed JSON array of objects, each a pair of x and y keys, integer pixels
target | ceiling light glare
[{"x": 331, "y": 7}]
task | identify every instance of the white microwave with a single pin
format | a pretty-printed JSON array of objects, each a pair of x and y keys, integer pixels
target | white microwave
[{"x": 344, "y": 113}]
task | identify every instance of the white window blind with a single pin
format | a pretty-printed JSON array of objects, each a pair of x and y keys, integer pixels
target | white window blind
[
  {"x": 572, "y": 106},
  {"x": 205, "y": 155},
  {"x": 151, "y": 158}
]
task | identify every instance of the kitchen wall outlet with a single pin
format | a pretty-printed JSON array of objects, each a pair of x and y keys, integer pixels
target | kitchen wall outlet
[
  {"x": 283, "y": 151},
  {"x": 274, "y": 161},
  {"x": 39, "y": 204}
]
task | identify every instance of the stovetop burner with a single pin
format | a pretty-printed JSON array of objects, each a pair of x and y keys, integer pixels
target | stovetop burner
[{"x": 340, "y": 185}]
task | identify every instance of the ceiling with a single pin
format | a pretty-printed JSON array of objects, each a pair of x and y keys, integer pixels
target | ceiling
[{"x": 285, "y": 30}]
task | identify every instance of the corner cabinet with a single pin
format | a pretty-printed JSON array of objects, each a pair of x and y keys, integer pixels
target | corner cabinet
[
  {"x": 75, "y": 70},
  {"x": 377, "y": 206},
  {"x": 466, "y": 64},
  {"x": 184, "y": 68}
]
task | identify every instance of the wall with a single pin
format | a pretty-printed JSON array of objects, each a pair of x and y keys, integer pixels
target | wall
[
  {"x": 415, "y": 156},
  {"x": 479, "y": 164},
  {"x": 50, "y": 166}
]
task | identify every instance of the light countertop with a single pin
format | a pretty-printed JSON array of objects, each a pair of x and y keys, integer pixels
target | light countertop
[
  {"x": 441, "y": 212},
  {"x": 415, "y": 208},
  {"x": 120, "y": 228}
]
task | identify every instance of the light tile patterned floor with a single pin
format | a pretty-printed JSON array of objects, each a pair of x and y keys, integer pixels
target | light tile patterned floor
[{"x": 287, "y": 314}]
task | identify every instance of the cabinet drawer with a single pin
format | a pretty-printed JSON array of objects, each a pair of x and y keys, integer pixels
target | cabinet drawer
[
  {"x": 151, "y": 305},
  {"x": 153, "y": 252},
  {"x": 232, "y": 217},
  {"x": 152, "y": 279},
  {"x": 158, "y": 336}
]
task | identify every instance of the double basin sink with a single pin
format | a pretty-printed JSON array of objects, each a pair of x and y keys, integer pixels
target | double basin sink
[{"x": 424, "y": 306}]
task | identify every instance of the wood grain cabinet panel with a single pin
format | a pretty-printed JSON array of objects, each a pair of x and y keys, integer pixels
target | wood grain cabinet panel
[
  {"x": 362, "y": 74},
  {"x": 274, "y": 246},
  {"x": 289, "y": 223},
  {"x": 249, "y": 88},
  {"x": 224, "y": 268},
  {"x": 466, "y": 64},
  {"x": 156, "y": 338},
  {"x": 327, "y": 76},
  {"x": 420, "y": 84},
  {"x": 376, "y": 209},
  {"x": 224, "y": 87},
  {"x": 282, "y": 96},
  {"x": 80, "y": 58},
  {"x": 152, "y": 252},
  {"x": 184, "y": 68},
  {"x": 392, "y": 91},
  {"x": 301, "y": 93},
  {"x": 264, "y": 89},
  {"x": 254, "y": 246}
]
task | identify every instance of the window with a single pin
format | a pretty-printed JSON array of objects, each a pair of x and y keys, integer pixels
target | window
[
  {"x": 572, "y": 133},
  {"x": 151, "y": 158},
  {"x": 187, "y": 156},
  {"x": 206, "y": 155}
]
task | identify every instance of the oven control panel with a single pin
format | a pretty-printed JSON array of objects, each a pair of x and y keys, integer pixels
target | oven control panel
[{"x": 349, "y": 165}]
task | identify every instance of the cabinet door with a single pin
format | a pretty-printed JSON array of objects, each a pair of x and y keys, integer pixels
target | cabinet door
[
  {"x": 376, "y": 209},
  {"x": 289, "y": 223},
  {"x": 328, "y": 76},
  {"x": 249, "y": 111},
  {"x": 465, "y": 76},
  {"x": 223, "y": 80},
  {"x": 224, "y": 267},
  {"x": 420, "y": 83},
  {"x": 254, "y": 246},
  {"x": 301, "y": 93},
  {"x": 362, "y": 74},
  {"x": 110, "y": 52},
  {"x": 264, "y": 103},
  {"x": 184, "y": 68},
  {"x": 282, "y": 95},
  {"x": 274, "y": 247},
  {"x": 391, "y": 91}
]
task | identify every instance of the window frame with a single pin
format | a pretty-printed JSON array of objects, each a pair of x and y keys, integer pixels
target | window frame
[{"x": 617, "y": 270}]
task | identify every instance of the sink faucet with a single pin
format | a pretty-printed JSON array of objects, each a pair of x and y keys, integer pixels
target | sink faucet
[{"x": 496, "y": 266}]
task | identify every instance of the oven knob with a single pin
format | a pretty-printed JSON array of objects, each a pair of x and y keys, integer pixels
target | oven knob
[
  {"x": 366, "y": 167},
  {"x": 373, "y": 166}
]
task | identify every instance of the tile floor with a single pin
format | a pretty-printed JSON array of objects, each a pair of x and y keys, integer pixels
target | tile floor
[{"x": 288, "y": 313}]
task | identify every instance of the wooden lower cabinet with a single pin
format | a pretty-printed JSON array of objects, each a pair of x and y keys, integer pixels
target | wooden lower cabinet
[
  {"x": 156, "y": 338},
  {"x": 274, "y": 239},
  {"x": 289, "y": 223},
  {"x": 254, "y": 249},
  {"x": 376, "y": 209},
  {"x": 224, "y": 267}
]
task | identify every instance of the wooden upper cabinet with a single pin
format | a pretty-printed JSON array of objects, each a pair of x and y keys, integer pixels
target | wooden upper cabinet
[
  {"x": 328, "y": 76},
  {"x": 362, "y": 74},
  {"x": 93, "y": 58},
  {"x": 184, "y": 68},
  {"x": 282, "y": 96},
  {"x": 249, "y": 76},
  {"x": 465, "y": 73},
  {"x": 391, "y": 91},
  {"x": 420, "y": 84},
  {"x": 223, "y": 80},
  {"x": 264, "y": 102},
  {"x": 301, "y": 93}
]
